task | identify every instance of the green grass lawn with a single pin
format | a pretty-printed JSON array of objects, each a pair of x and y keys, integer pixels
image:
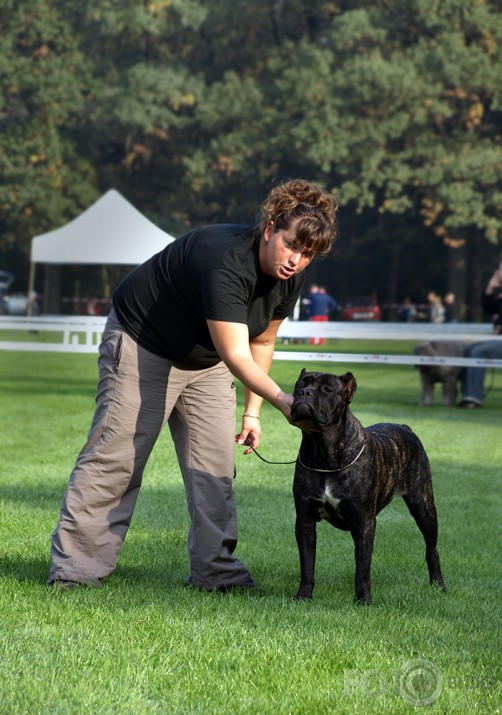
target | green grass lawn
[{"x": 145, "y": 644}]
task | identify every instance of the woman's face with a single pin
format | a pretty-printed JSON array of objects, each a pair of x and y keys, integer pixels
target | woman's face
[{"x": 278, "y": 256}]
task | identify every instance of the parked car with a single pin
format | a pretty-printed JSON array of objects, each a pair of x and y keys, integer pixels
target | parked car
[
  {"x": 17, "y": 303},
  {"x": 6, "y": 280},
  {"x": 4, "y": 308},
  {"x": 361, "y": 308},
  {"x": 11, "y": 303}
]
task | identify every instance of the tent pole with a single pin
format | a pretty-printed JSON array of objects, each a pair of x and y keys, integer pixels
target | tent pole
[{"x": 31, "y": 289}]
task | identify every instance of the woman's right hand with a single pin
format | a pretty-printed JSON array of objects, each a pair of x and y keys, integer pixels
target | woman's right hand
[
  {"x": 283, "y": 403},
  {"x": 495, "y": 282}
]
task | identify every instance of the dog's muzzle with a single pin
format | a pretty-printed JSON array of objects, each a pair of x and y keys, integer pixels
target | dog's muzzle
[
  {"x": 303, "y": 416},
  {"x": 301, "y": 409}
]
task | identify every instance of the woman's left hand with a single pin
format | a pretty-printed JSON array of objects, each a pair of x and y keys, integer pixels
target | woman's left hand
[{"x": 250, "y": 433}]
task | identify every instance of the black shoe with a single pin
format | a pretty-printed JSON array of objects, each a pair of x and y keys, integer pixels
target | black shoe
[
  {"x": 235, "y": 588},
  {"x": 469, "y": 405},
  {"x": 60, "y": 583},
  {"x": 64, "y": 584},
  {"x": 224, "y": 588}
]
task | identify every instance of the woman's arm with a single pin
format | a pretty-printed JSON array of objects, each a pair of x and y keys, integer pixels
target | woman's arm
[
  {"x": 495, "y": 282},
  {"x": 262, "y": 350},
  {"x": 491, "y": 300},
  {"x": 250, "y": 362}
]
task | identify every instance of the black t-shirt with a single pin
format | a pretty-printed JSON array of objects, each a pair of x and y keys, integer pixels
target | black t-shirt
[
  {"x": 492, "y": 306},
  {"x": 208, "y": 273}
]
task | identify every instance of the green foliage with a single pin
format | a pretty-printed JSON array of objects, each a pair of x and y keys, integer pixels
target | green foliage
[
  {"x": 420, "y": 109},
  {"x": 44, "y": 83},
  {"x": 193, "y": 109}
]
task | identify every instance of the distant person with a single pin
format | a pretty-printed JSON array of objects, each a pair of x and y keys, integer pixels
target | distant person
[
  {"x": 92, "y": 307},
  {"x": 306, "y": 302},
  {"x": 473, "y": 378},
  {"x": 33, "y": 308},
  {"x": 321, "y": 304},
  {"x": 203, "y": 310},
  {"x": 406, "y": 313},
  {"x": 435, "y": 308},
  {"x": 450, "y": 308}
]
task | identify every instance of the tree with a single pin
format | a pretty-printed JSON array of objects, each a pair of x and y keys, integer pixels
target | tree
[
  {"x": 194, "y": 109},
  {"x": 90, "y": 91},
  {"x": 141, "y": 113},
  {"x": 406, "y": 112},
  {"x": 46, "y": 179},
  {"x": 395, "y": 106}
]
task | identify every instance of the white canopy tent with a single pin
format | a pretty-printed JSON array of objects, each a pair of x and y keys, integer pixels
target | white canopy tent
[{"x": 110, "y": 231}]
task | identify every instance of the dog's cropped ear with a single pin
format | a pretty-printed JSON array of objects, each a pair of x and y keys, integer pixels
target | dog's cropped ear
[
  {"x": 350, "y": 383},
  {"x": 302, "y": 373},
  {"x": 424, "y": 349}
]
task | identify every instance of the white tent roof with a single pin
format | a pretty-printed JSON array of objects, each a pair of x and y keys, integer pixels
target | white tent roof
[{"x": 110, "y": 231}]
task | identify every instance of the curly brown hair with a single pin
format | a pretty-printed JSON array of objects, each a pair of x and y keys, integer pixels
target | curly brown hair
[{"x": 309, "y": 208}]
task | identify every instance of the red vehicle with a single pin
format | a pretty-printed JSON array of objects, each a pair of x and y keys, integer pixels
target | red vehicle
[{"x": 361, "y": 308}]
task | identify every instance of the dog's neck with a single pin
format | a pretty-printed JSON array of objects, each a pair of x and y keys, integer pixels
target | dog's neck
[{"x": 333, "y": 445}]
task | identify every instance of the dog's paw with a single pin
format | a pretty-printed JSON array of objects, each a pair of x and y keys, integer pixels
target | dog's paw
[
  {"x": 301, "y": 596},
  {"x": 439, "y": 584},
  {"x": 364, "y": 600}
]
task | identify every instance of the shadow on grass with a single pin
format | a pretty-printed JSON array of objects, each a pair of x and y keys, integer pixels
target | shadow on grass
[
  {"x": 154, "y": 559},
  {"x": 39, "y": 496},
  {"x": 135, "y": 586},
  {"x": 268, "y": 505},
  {"x": 25, "y": 569},
  {"x": 20, "y": 385},
  {"x": 147, "y": 572}
]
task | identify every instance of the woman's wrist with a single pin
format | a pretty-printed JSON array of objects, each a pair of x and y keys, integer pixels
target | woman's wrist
[{"x": 283, "y": 402}]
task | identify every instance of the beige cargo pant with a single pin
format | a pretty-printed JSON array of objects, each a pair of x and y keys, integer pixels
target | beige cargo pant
[{"x": 137, "y": 393}]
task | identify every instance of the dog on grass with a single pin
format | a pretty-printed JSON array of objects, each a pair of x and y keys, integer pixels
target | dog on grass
[
  {"x": 347, "y": 474},
  {"x": 447, "y": 375}
]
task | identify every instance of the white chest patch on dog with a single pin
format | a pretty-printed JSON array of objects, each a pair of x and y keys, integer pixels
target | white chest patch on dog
[{"x": 328, "y": 498}]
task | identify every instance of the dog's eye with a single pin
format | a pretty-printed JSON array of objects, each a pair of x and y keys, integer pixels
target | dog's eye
[{"x": 327, "y": 389}]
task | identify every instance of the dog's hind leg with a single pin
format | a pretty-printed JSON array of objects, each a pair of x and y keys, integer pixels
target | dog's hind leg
[{"x": 423, "y": 510}]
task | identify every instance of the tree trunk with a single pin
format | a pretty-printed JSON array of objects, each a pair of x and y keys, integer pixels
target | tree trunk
[
  {"x": 457, "y": 277},
  {"x": 52, "y": 289},
  {"x": 474, "y": 286},
  {"x": 393, "y": 279}
]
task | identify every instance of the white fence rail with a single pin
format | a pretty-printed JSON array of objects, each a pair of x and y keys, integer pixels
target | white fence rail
[
  {"x": 79, "y": 333},
  {"x": 82, "y": 334},
  {"x": 465, "y": 332}
]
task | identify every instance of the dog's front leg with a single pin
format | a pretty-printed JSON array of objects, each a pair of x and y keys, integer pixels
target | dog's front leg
[
  {"x": 364, "y": 537},
  {"x": 306, "y": 538},
  {"x": 449, "y": 394},
  {"x": 427, "y": 390}
]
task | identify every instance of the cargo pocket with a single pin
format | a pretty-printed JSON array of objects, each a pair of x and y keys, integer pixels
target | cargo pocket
[{"x": 117, "y": 354}]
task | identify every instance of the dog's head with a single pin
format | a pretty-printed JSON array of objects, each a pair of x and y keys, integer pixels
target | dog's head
[
  {"x": 320, "y": 399},
  {"x": 439, "y": 348}
]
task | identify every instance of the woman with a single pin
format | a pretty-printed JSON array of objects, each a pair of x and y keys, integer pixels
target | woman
[
  {"x": 205, "y": 308},
  {"x": 473, "y": 378}
]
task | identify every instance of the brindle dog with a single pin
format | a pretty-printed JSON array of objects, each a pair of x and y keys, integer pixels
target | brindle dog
[{"x": 347, "y": 474}]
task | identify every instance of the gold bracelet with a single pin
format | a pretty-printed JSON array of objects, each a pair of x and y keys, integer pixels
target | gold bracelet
[{"x": 247, "y": 414}]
